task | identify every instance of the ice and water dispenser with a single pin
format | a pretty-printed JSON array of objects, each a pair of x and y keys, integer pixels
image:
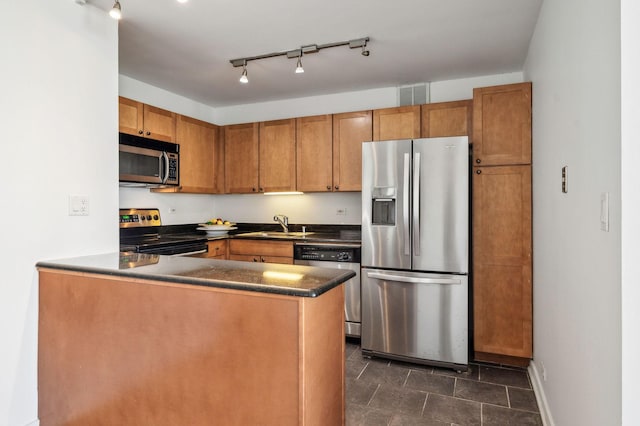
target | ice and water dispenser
[{"x": 383, "y": 211}]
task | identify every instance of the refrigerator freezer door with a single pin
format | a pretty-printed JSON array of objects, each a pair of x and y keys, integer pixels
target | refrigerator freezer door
[
  {"x": 415, "y": 316},
  {"x": 386, "y": 203},
  {"x": 440, "y": 205}
]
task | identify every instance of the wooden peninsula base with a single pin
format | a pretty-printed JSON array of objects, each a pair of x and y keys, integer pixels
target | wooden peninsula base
[{"x": 124, "y": 351}]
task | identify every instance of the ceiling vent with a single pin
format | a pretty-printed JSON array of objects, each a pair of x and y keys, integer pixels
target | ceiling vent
[{"x": 417, "y": 94}]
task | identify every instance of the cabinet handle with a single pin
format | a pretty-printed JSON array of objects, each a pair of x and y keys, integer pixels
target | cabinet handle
[
  {"x": 148, "y": 133},
  {"x": 261, "y": 189},
  {"x": 253, "y": 189},
  {"x": 140, "y": 132},
  {"x": 478, "y": 172},
  {"x": 261, "y": 259},
  {"x": 328, "y": 187},
  {"x": 478, "y": 160},
  {"x": 255, "y": 260},
  {"x": 337, "y": 187}
]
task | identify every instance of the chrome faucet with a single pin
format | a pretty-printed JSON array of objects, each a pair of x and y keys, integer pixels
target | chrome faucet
[{"x": 283, "y": 221}]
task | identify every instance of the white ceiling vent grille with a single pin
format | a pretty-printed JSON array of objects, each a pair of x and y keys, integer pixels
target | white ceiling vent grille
[{"x": 416, "y": 94}]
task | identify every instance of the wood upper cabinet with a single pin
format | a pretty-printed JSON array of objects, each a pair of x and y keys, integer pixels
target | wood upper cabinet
[
  {"x": 447, "y": 119},
  {"x": 396, "y": 123},
  {"x": 349, "y": 131},
  {"x": 502, "y": 264},
  {"x": 241, "y": 158},
  {"x": 314, "y": 154},
  {"x": 277, "y": 168},
  {"x": 136, "y": 118},
  {"x": 261, "y": 251},
  {"x": 201, "y": 157},
  {"x": 502, "y": 125}
]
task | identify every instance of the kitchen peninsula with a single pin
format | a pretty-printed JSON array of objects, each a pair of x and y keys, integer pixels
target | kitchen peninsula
[{"x": 133, "y": 339}]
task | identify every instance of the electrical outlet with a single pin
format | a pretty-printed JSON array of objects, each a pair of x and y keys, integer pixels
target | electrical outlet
[
  {"x": 78, "y": 205},
  {"x": 342, "y": 211}
]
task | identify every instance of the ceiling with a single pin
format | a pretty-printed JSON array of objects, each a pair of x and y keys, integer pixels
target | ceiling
[{"x": 185, "y": 48}]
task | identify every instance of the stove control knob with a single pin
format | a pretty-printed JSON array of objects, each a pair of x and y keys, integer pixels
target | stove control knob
[
  {"x": 149, "y": 217},
  {"x": 156, "y": 217}
]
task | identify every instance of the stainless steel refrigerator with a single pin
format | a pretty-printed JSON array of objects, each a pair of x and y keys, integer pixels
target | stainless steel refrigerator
[{"x": 415, "y": 245}]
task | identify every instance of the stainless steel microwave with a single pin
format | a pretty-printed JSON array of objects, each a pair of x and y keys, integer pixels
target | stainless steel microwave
[{"x": 148, "y": 162}]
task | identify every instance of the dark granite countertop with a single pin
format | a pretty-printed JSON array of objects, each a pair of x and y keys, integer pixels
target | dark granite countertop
[{"x": 291, "y": 280}]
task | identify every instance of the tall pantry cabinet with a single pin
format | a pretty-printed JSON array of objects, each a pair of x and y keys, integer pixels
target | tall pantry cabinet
[{"x": 501, "y": 224}]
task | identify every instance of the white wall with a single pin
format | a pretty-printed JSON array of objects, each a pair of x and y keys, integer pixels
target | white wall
[
  {"x": 59, "y": 133},
  {"x": 574, "y": 63},
  {"x": 257, "y": 208},
  {"x": 630, "y": 12}
]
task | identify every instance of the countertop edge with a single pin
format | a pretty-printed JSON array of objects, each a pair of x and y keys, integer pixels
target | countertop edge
[{"x": 203, "y": 282}]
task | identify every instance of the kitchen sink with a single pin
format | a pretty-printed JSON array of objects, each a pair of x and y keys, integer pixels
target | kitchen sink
[{"x": 275, "y": 234}]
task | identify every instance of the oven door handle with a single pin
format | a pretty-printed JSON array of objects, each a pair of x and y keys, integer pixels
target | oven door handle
[{"x": 189, "y": 253}]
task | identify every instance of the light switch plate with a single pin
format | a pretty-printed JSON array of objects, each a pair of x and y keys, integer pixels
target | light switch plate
[
  {"x": 565, "y": 179},
  {"x": 78, "y": 205},
  {"x": 604, "y": 211}
]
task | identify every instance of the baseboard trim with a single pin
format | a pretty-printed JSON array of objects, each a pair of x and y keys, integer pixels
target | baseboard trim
[{"x": 541, "y": 397}]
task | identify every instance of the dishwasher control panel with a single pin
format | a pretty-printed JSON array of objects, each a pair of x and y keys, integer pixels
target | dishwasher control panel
[{"x": 327, "y": 253}]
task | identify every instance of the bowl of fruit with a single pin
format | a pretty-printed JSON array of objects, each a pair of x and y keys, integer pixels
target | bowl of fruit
[{"x": 216, "y": 227}]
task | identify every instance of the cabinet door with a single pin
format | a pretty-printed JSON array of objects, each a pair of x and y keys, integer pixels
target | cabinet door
[
  {"x": 159, "y": 124},
  {"x": 314, "y": 154},
  {"x": 446, "y": 119},
  {"x": 278, "y": 155},
  {"x": 130, "y": 116},
  {"x": 502, "y": 125},
  {"x": 201, "y": 156},
  {"x": 260, "y": 248},
  {"x": 396, "y": 123},
  {"x": 349, "y": 131},
  {"x": 241, "y": 158},
  {"x": 502, "y": 260}
]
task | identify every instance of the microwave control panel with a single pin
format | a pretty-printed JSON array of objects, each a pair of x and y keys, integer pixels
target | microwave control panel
[{"x": 130, "y": 218}]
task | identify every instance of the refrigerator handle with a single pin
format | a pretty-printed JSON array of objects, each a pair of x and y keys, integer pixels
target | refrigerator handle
[
  {"x": 416, "y": 204},
  {"x": 405, "y": 205},
  {"x": 414, "y": 280}
]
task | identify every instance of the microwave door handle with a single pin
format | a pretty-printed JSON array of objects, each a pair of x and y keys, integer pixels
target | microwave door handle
[
  {"x": 416, "y": 205},
  {"x": 164, "y": 160},
  {"x": 405, "y": 205}
]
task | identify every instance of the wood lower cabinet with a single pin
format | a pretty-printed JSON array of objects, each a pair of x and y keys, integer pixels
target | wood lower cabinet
[
  {"x": 349, "y": 131},
  {"x": 396, "y": 123},
  {"x": 261, "y": 251},
  {"x": 136, "y": 118},
  {"x": 201, "y": 157},
  {"x": 277, "y": 168},
  {"x": 502, "y": 262},
  {"x": 241, "y": 158},
  {"x": 444, "y": 119},
  {"x": 502, "y": 125},
  {"x": 128, "y": 351},
  {"x": 216, "y": 249}
]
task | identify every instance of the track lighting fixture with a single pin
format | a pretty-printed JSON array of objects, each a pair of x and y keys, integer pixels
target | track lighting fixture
[
  {"x": 116, "y": 11},
  {"x": 297, "y": 53},
  {"x": 243, "y": 77},
  {"x": 299, "y": 69}
]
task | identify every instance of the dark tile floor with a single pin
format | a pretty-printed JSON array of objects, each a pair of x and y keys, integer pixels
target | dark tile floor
[{"x": 392, "y": 393}]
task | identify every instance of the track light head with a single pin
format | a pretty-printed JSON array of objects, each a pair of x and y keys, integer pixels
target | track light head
[
  {"x": 299, "y": 69},
  {"x": 116, "y": 11},
  {"x": 243, "y": 78}
]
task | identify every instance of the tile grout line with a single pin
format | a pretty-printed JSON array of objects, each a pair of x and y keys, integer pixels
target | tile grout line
[{"x": 374, "y": 394}]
